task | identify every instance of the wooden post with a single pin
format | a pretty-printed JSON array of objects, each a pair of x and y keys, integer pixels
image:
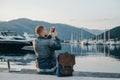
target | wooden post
[{"x": 8, "y": 63}]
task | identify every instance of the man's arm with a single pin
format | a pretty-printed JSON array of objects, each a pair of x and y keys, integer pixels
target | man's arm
[
  {"x": 49, "y": 36},
  {"x": 55, "y": 45},
  {"x": 35, "y": 49}
]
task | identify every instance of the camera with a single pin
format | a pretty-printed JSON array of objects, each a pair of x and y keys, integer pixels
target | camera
[{"x": 53, "y": 29}]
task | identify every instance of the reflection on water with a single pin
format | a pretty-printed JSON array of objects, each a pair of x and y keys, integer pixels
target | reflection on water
[
  {"x": 104, "y": 50},
  {"x": 78, "y": 50},
  {"x": 19, "y": 55},
  {"x": 88, "y": 58}
]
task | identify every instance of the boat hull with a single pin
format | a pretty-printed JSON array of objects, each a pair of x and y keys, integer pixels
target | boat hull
[{"x": 12, "y": 45}]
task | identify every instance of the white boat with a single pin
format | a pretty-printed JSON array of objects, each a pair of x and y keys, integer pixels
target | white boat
[
  {"x": 11, "y": 40},
  {"x": 30, "y": 37}
]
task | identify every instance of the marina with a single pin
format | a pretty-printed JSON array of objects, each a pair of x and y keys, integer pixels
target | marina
[{"x": 87, "y": 53}]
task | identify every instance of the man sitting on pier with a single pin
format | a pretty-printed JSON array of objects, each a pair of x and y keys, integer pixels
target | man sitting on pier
[{"x": 44, "y": 48}]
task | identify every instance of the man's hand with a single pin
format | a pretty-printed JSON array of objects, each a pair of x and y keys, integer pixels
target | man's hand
[
  {"x": 50, "y": 32},
  {"x": 55, "y": 33}
]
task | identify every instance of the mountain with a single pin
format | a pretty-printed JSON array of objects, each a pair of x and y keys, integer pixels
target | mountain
[
  {"x": 114, "y": 33},
  {"x": 26, "y": 25},
  {"x": 94, "y": 31}
]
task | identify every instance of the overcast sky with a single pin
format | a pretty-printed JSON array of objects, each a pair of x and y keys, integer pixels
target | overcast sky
[{"x": 92, "y": 14}]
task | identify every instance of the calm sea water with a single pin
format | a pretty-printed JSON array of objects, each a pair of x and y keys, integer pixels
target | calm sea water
[{"x": 92, "y": 58}]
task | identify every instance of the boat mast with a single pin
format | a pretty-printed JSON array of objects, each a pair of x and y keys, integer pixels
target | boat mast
[
  {"x": 72, "y": 36},
  {"x": 109, "y": 35},
  {"x": 81, "y": 34},
  {"x": 104, "y": 36}
]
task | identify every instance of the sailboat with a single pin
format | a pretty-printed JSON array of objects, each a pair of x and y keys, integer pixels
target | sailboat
[
  {"x": 109, "y": 41},
  {"x": 82, "y": 42},
  {"x": 99, "y": 40},
  {"x": 72, "y": 41}
]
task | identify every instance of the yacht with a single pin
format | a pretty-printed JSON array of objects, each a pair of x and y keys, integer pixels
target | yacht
[{"x": 11, "y": 40}]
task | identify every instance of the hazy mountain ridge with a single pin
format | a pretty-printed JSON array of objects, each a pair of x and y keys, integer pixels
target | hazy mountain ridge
[
  {"x": 95, "y": 31},
  {"x": 26, "y": 25}
]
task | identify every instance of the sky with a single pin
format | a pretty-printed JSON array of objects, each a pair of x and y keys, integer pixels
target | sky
[{"x": 92, "y": 14}]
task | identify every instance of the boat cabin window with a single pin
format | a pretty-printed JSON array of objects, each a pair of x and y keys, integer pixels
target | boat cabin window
[{"x": 8, "y": 33}]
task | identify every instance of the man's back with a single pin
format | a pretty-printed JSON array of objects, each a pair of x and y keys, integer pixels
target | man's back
[{"x": 46, "y": 52}]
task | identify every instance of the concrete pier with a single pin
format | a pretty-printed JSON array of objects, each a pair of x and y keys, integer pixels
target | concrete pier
[{"x": 30, "y": 74}]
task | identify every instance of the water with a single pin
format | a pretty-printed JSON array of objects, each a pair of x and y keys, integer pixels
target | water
[{"x": 92, "y": 58}]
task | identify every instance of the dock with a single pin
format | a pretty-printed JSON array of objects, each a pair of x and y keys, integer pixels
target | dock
[
  {"x": 30, "y": 74},
  {"x": 11, "y": 73}
]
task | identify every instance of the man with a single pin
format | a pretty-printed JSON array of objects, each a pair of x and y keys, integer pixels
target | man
[{"x": 44, "y": 48}]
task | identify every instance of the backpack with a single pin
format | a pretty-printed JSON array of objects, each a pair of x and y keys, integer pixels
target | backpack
[{"x": 65, "y": 64}]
